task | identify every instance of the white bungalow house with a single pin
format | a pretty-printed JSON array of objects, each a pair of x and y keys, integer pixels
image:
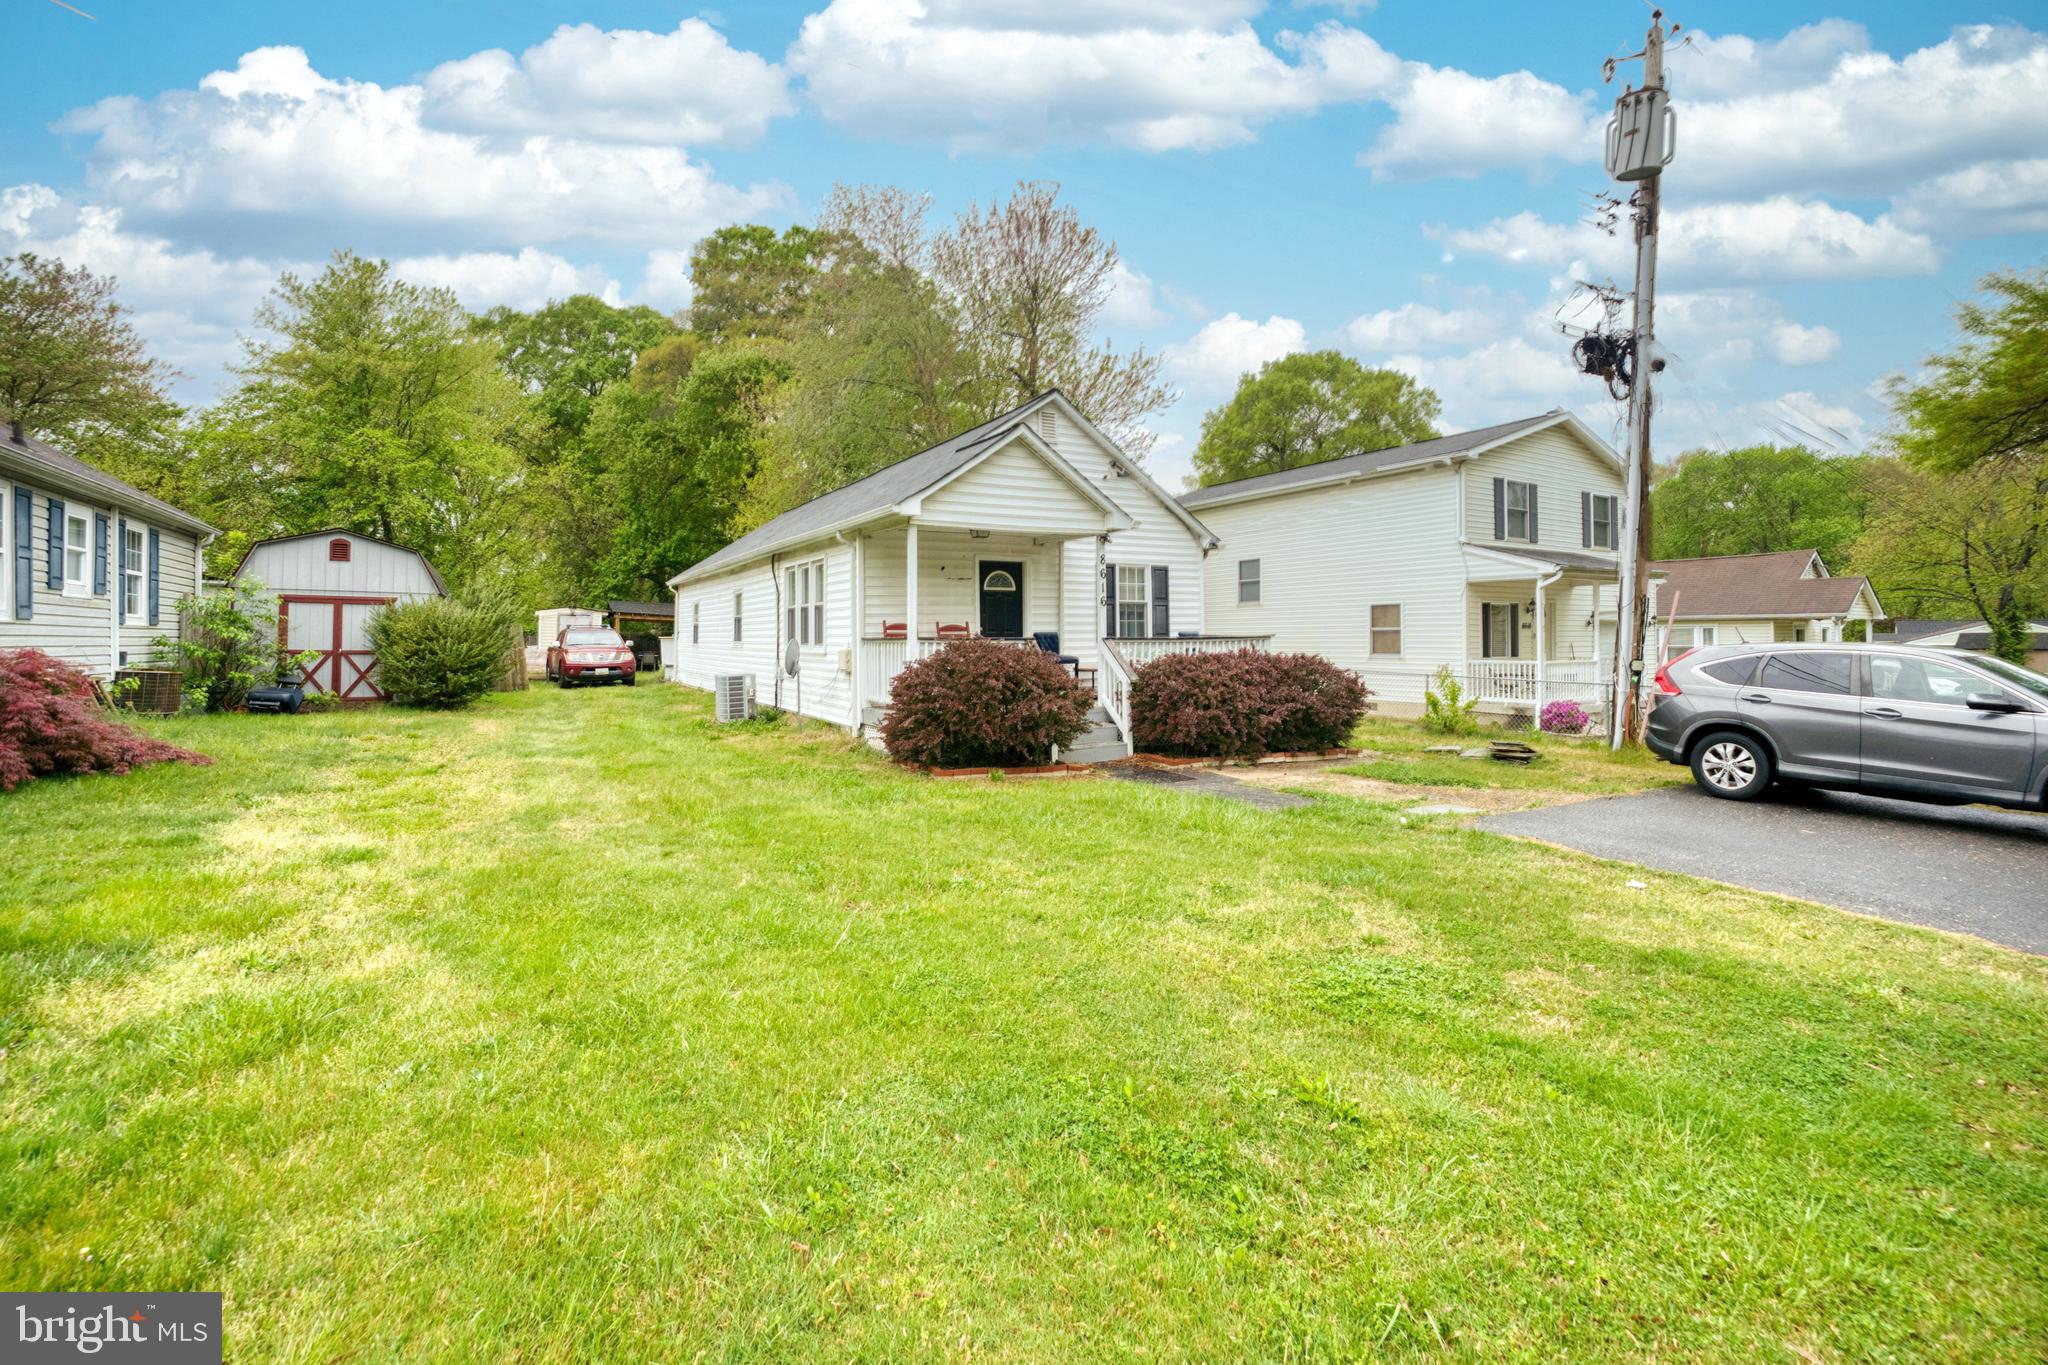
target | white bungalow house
[
  {"x": 1778, "y": 597},
  {"x": 1033, "y": 521},
  {"x": 91, "y": 569},
  {"x": 1493, "y": 552}
]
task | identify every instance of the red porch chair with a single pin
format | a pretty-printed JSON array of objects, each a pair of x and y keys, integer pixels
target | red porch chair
[
  {"x": 944, "y": 631},
  {"x": 895, "y": 630}
]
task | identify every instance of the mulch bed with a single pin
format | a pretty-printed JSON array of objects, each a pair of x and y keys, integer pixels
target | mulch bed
[
  {"x": 1175, "y": 761},
  {"x": 1041, "y": 770}
]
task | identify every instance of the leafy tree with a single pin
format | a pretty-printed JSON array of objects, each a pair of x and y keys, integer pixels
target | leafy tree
[
  {"x": 1757, "y": 500},
  {"x": 565, "y": 353},
  {"x": 1309, "y": 407},
  {"x": 1030, "y": 280},
  {"x": 677, "y": 453},
  {"x": 751, "y": 283},
  {"x": 71, "y": 365},
  {"x": 371, "y": 404},
  {"x": 1979, "y": 421}
]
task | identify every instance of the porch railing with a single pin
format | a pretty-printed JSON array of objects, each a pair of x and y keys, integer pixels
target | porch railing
[
  {"x": 1137, "y": 651},
  {"x": 1515, "y": 680},
  {"x": 1113, "y": 687},
  {"x": 881, "y": 660}
]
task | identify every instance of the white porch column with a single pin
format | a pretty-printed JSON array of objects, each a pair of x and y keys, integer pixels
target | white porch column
[
  {"x": 910, "y": 591},
  {"x": 1542, "y": 650}
]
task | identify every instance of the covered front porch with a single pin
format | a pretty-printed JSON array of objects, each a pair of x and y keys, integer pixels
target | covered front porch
[{"x": 1540, "y": 628}]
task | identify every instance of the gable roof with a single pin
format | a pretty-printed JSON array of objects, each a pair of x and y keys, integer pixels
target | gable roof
[
  {"x": 911, "y": 477},
  {"x": 256, "y": 545},
  {"x": 1768, "y": 584},
  {"x": 64, "y": 468},
  {"x": 1907, "y": 629},
  {"x": 1347, "y": 467}
]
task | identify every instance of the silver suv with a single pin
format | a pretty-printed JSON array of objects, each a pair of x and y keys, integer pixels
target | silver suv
[{"x": 1925, "y": 724}]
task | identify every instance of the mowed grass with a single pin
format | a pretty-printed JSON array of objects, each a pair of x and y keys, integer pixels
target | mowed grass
[
  {"x": 576, "y": 1027},
  {"x": 1399, "y": 752}
]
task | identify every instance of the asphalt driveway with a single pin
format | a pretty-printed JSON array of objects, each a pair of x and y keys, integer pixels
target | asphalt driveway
[{"x": 1975, "y": 871}]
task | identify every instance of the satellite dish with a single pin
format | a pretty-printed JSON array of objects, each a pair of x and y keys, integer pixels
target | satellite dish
[{"x": 792, "y": 655}]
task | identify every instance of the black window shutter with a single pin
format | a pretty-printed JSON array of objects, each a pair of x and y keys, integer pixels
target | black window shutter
[
  {"x": 1485, "y": 630},
  {"x": 154, "y": 560},
  {"x": 24, "y": 556},
  {"x": 55, "y": 539},
  {"x": 121, "y": 570},
  {"x": 1515, "y": 629},
  {"x": 1109, "y": 600},
  {"x": 1162, "y": 620},
  {"x": 99, "y": 552},
  {"x": 1585, "y": 519},
  {"x": 1500, "y": 509},
  {"x": 1533, "y": 537}
]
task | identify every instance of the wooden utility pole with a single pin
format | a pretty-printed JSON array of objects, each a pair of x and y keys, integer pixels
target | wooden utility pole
[{"x": 1639, "y": 143}]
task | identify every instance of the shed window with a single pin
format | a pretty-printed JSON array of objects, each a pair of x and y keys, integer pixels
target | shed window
[
  {"x": 1248, "y": 580},
  {"x": 338, "y": 549},
  {"x": 1386, "y": 628}
]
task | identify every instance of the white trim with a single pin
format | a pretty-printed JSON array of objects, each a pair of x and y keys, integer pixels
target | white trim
[
  {"x": 80, "y": 545},
  {"x": 140, "y": 574},
  {"x": 1400, "y": 629},
  {"x": 1258, "y": 580},
  {"x": 1594, "y": 445}
]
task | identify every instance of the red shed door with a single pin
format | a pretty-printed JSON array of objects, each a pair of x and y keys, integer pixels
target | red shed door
[{"x": 335, "y": 630}]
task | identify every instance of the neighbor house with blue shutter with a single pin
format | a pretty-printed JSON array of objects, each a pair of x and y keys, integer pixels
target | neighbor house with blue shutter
[
  {"x": 1494, "y": 553},
  {"x": 91, "y": 568}
]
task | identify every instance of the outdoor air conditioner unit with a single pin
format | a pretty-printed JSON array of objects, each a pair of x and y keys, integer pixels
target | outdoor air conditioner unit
[{"x": 735, "y": 696}]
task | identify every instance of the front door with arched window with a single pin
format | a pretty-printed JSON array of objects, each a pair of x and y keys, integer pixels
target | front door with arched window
[{"x": 1002, "y": 599}]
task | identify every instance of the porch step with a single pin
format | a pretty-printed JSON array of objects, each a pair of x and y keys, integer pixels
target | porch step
[{"x": 1100, "y": 743}]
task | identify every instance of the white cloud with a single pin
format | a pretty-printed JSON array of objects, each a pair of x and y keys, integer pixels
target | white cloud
[
  {"x": 1210, "y": 361},
  {"x": 488, "y": 279},
  {"x": 1981, "y": 201},
  {"x": 1421, "y": 327},
  {"x": 1809, "y": 419},
  {"x": 978, "y": 79},
  {"x": 1794, "y": 344},
  {"x": 1769, "y": 241},
  {"x": 1091, "y": 16},
  {"x": 666, "y": 284},
  {"x": 1719, "y": 68},
  {"x": 1497, "y": 382},
  {"x": 1452, "y": 123},
  {"x": 1133, "y": 302},
  {"x": 621, "y": 85},
  {"x": 1874, "y": 124},
  {"x": 275, "y": 143}
]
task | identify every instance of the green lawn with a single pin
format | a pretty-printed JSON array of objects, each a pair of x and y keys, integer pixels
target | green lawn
[
  {"x": 575, "y": 1027},
  {"x": 1398, "y": 751}
]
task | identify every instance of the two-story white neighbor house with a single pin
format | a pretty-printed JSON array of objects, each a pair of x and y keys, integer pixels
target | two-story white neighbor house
[
  {"x": 91, "y": 569},
  {"x": 1032, "y": 523},
  {"x": 1493, "y": 552}
]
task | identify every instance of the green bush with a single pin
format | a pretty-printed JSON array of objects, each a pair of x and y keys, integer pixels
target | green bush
[
  {"x": 228, "y": 643},
  {"x": 1446, "y": 710},
  {"x": 439, "y": 652}
]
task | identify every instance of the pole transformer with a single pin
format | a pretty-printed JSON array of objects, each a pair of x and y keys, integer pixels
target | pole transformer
[{"x": 1640, "y": 140}]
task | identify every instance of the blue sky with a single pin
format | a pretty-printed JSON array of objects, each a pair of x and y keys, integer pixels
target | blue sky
[{"x": 1406, "y": 181}]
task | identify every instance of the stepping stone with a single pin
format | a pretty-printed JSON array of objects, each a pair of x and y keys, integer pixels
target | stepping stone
[
  {"x": 1444, "y": 749},
  {"x": 1475, "y": 753},
  {"x": 1443, "y": 808}
]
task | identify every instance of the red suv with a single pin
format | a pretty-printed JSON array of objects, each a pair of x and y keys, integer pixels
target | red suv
[{"x": 590, "y": 654}]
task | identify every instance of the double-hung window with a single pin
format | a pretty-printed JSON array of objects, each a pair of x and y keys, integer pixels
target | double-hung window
[
  {"x": 1603, "y": 522},
  {"x": 804, "y": 603},
  {"x": 1247, "y": 580},
  {"x": 133, "y": 599},
  {"x": 696, "y": 621},
  {"x": 1518, "y": 509},
  {"x": 1386, "y": 629},
  {"x": 77, "y": 556},
  {"x": 1133, "y": 600},
  {"x": 738, "y": 617}
]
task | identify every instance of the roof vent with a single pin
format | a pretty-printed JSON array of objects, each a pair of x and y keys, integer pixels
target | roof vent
[
  {"x": 1045, "y": 422},
  {"x": 339, "y": 549}
]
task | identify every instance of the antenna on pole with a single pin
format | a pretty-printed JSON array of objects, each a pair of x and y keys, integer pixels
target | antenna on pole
[{"x": 1641, "y": 138}]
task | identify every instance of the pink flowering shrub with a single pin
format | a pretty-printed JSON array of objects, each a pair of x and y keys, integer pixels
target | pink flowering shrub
[
  {"x": 49, "y": 723},
  {"x": 1565, "y": 718}
]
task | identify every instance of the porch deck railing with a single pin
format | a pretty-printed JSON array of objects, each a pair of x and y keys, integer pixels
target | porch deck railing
[
  {"x": 1113, "y": 687},
  {"x": 881, "y": 660},
  {"x": 1515, "y": 680},
  {"x": 1137, "y": 651}
]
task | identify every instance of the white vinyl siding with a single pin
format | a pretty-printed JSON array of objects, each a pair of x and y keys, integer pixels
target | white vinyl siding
[
  {"x": 822, "y": 688},
  {"x": 1011, "y": 490},
  {"x": 1560, "y": 467}
]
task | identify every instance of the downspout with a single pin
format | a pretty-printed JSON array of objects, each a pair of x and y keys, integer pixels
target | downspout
[
  {"x": 775, "y": 597},
  {"x": 857, "y": 593},
  {"x": 1543, "y": 586}
]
